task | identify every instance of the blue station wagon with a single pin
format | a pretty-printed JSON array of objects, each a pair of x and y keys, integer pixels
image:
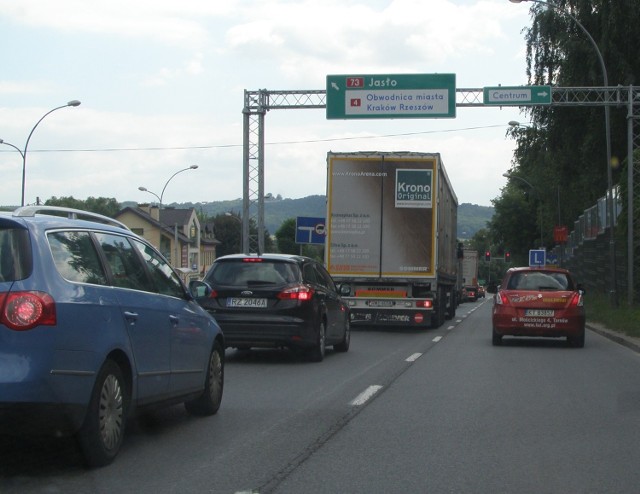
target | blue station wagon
[{"x": 94, "y": 325}]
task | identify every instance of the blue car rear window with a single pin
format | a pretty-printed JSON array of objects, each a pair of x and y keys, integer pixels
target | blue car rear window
[
  {"x": 15, "y": 254},
  {"x": 76, "y": 258}
]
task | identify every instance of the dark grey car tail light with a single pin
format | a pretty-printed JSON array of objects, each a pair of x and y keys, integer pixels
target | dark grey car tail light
[{"x": 302, "y": 293}]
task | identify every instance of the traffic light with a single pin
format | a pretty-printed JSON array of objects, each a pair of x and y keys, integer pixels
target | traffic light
[
  {"x": 507, "y": 256},
  {"x": 487, "y": 256}
]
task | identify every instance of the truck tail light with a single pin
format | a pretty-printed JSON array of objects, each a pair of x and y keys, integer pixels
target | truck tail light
[
  {"x": 302, "y": 293},
  {"x": 26, "y": 310},
  {"x": 427, "y": 304}
]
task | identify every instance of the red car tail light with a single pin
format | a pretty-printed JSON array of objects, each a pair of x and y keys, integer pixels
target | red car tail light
[
  {"x": 25, "y": 310},
  {"x": 576, "y": 300},
  {"x": 502, "y": 299},
  {"x": 301, "y": 292}
]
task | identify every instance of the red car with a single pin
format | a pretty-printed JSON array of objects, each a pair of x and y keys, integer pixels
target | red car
[{"x": 535, "y": 301}]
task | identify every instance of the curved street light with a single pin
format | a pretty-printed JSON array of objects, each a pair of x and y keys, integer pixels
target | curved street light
[
  {"x": 238, "y": 218},
  {"x": 510, "y": 176},
  {"x": 607, "y": 125},
  {"x": 144, "y": 189},
  {"x": 73, "y": 102},
  {"x": 11, "y": 145}
]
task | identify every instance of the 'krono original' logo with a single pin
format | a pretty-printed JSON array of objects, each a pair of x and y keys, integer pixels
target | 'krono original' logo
[{"x": 414, "y": 188}]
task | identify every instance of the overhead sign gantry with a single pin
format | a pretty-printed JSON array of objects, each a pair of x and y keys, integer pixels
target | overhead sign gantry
[{"x": 257, "y": 103}]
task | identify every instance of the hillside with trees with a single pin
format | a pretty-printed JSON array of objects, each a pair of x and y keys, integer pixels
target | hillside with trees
[{"x": 471, "y": 217}]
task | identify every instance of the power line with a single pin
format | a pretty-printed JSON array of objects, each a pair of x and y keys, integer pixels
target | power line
[{"x": 222, "y": 146}]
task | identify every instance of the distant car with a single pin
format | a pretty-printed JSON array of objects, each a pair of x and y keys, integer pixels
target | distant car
[
  {"x": 275, "y": 300},
  {"x": 481, "y": 291},
  {"x": 95, "y": 324},
  {"x": 544, "y": 302},
  {"x": 470, "y": 293}
]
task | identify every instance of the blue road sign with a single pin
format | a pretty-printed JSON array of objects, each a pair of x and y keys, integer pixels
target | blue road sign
[
  {"x": 310, "y": 230},
  {"x": 537, "y": 257}
]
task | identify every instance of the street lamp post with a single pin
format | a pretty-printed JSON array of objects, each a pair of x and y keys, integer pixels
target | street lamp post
[
  {"x": 74, "y": 102},
  {"x": 509, "y": 175},
  {"x": 609, "y": 196},
  {"x": 144, "y": 189}
]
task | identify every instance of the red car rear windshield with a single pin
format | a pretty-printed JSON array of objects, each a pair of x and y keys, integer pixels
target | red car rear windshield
[{"x": 540, "y": 280}]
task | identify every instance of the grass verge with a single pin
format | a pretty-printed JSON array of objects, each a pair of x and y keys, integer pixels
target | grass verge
[{"x": 623, "y": 318}]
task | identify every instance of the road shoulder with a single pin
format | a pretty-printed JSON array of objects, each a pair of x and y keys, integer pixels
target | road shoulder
[{"x": 618, "y": 337}]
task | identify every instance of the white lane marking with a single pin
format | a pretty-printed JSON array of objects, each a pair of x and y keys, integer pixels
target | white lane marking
[
  {"x": 363, "y": 397},
  {"x": 450, "y": 328},
  {"x": 414, "y": 357},
  {"x": 458, "y": 320},
  {"x": 437, "y": 339}
]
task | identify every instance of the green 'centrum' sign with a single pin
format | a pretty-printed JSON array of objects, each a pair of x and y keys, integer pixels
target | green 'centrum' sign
[
  {"x": 391, "y": 96},
  {"x": 517, "y": 95}
]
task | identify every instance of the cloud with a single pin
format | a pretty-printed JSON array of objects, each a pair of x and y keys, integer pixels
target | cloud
[
  {"x": 15, "y": 87},
  {"x": 170, "y": 22},
  {"x": 177, "y": 87},
  {"x": 190, "y": 68}
]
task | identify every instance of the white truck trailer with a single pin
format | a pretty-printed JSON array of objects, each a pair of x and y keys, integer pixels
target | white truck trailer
[{"x": 391, "y": 237}]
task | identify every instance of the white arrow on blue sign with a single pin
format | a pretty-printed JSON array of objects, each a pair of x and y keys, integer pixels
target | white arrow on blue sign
[{"x": 310, "y": 230}]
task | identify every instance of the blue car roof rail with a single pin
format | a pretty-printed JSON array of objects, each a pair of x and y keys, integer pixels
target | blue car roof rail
[{"x": 30, "y": 211}]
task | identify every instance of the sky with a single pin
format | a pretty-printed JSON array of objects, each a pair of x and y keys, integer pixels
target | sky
[{"x": 161, "y": 85}]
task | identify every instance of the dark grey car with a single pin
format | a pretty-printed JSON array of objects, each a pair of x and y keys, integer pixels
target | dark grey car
[{"x": 275, "y": 300}]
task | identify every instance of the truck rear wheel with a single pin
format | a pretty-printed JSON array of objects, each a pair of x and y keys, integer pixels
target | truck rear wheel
[
  {"x": 453, "y": 303},
  {"x": 437, "y": 318}
]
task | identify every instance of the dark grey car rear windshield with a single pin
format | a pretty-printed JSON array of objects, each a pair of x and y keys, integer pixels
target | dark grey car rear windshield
[
  {"x": 240, "y": 273},
  {"x": 15, "y": 254}
]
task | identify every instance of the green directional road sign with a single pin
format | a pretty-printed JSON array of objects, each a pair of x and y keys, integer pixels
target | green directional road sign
[
  {"x": 391, "y": 96},
  {"x": 517, "y": 95}
]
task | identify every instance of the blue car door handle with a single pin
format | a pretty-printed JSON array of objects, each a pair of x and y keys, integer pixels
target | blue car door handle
[{"x": 132, "y": 317}]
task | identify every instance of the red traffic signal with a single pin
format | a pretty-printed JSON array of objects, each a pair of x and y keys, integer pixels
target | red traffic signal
[
  {"x": 507, "y": 256},
  {"x": 487, "y": 256}
]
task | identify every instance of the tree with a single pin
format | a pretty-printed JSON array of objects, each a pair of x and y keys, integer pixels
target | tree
[
  {"x": 514, "y": 224},
  {"x": 106, "y": 206},
  {"x": 286, "y": 237},
  {"x": 228, "y": 231},
  {"x": 559, "y": 53},
  {"x": 564, "y": 151}
]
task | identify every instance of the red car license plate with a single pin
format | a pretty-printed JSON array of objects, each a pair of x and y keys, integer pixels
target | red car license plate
[{"x": 539, "y": 312}]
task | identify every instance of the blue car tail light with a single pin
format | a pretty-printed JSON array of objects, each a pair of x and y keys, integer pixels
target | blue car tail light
[{"x": 22, "y": 311}]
